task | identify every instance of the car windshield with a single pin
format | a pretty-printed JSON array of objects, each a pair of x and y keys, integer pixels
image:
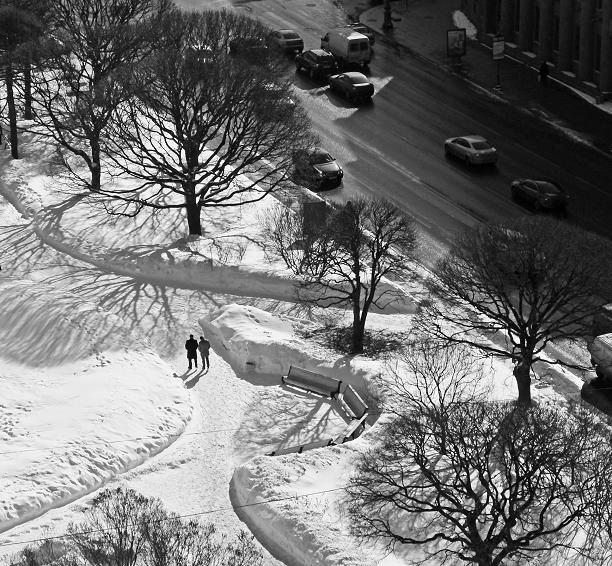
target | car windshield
[
  {"x": 320, "y": 157},
  {"x": 549, "y": 188},
  {"x": 481, "y": 145},
  {"x": 290, "y": 35},
  {"x": 358, "y": 79}
]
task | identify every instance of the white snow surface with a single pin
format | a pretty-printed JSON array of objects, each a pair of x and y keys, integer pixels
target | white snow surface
[
  {"x": 461, "y": 21},
  {"x": 94, "y": 312}
]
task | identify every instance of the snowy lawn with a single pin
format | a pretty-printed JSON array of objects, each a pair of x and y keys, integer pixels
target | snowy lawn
[{"x": 94, "y": 313}]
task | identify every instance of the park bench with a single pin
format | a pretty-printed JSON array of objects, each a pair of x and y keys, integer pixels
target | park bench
[
  {"x": 312, "y": 382},
  {"x": 355, "y": 408}
]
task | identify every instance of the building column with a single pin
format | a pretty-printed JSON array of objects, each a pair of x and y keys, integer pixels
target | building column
[
  {"x": 566, "y": 27},
  {"x": 587, "y": 13},
  {"x": 507, "y": 12},
  {"x": 605, "y": 77},
  {"x": 546, "y": 29},
  {"x": 525, "y": 16}
]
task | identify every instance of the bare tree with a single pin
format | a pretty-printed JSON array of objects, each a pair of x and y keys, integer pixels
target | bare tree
[
  {"x": 207, "y": 128},
  {"x": 486, "y": 483},
  {"x": 125, "y": 528},
  {"x": 343, "y": 260},
  {"x": 536, "y": 280},
  {"x": 17, "y": 26},
  {"x": 101, "y": 42}
]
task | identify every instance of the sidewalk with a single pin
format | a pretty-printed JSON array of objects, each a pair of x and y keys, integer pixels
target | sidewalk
[{"x": 420, "y": 26}]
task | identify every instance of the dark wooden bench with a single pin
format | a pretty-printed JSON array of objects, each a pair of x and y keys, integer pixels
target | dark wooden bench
[
  {"x": 356, "y": 410},
  {"x": 312, "y": 382}
]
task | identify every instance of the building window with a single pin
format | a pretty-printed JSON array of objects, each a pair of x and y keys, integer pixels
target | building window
[
  {"x": 536, "y": 23},
  {"x": 576, "y": 42},
  {"x": 597, "y": 53}
]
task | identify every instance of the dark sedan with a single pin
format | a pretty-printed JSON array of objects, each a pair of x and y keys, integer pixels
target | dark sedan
[
  {"x": 353, "y": 86},
  {"x": 317, "y": 169},
  {"x": 542, "y": 194}
]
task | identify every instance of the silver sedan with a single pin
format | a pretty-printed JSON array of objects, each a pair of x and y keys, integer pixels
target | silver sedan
[{"x": 473, "y": 150}]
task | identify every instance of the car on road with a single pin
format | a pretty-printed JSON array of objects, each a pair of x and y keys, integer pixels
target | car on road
[
  {"x": 286, "y": 40},
  {"x": 318, "y": 63},
  {"x": 542, "y": 194},
  {"x": 472, "y": 149},
  {"x": 365, "y": 30},
  {"x": 352, "y": 85},
  {"x": 317, "y": 169},
  {"x": 252, "y": 50}
]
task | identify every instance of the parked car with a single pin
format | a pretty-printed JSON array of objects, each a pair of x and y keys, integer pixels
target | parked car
[
  {"x": 317, "y": 169},
  {"x": 316, "y": 62},
  {"x": 349, "y": 47},
  {"x": 353, "y": 86},
  {"x": 253, "y": 50},
  {"x": 474, "y": 150},
  {"x": 540, "y": 193},
  {"x": 287, "y": 40},
  {"x": 365, "y": 30}
]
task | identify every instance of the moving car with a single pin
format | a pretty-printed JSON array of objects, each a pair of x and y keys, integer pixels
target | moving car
[
  {"x": 540, "y": 193},
  {"x": 317, "y": 169},
  {"x": 365, "y": 30},
  {"x": 287, "y": 40},
  {"x": 316, "y": 62},
  {"x": 352, "y": 85},
  {"x": 474, "y": 150}
]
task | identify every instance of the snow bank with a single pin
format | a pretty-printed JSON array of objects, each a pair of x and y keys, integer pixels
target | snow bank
[{"x": 79, "y": 402}]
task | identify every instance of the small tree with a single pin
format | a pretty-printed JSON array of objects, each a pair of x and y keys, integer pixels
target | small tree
[
  {"x": 485, "y": 483},
  {"x": 206, "y": 127},
  {"x": 343, "y": 261},
  {"x": 125, "y": 528},
  {"x": 537, "y": 280}
]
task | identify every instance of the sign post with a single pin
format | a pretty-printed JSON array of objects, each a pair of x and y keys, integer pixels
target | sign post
[
  {"x": 498, "y": 54},
  {"x": 456, "y": 43}
]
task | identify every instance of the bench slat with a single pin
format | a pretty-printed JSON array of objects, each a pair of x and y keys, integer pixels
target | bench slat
[{"x": 312, "y": 382}]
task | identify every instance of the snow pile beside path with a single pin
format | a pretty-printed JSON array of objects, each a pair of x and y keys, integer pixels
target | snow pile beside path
[
  {"x": 292, "y": 504},
  {"x": 253, "y": 340},
  {"x": 82, "y": 399},
  {"x": 68, "y": 429}
]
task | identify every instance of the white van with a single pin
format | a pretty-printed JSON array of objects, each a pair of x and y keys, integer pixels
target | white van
[{"x": 349, "y": 47}]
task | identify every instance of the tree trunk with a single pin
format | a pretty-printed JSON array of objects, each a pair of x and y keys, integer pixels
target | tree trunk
[
  {"x": 12, "y": 111},
  {"x": 522, "y": 371},
  {"x": 358, "y": 327},
  {"x": 27, "y": 89},
  {"x": 96, "y": 169},
  {"x": 193, "y": 210}
]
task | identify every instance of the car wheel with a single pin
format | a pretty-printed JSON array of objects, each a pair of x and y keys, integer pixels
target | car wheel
[
  {"x": 537, "y": 206},
  {"x": 467, "y": 160},
  {"x": 312, "y": 73}
]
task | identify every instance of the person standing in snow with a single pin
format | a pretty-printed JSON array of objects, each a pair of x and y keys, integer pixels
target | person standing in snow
[
  {"x": 204, "y": 347},
  {"x": 192, "y": 350}
]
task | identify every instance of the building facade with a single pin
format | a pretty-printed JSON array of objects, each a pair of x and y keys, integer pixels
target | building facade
[{"x": 573, "y": 36}]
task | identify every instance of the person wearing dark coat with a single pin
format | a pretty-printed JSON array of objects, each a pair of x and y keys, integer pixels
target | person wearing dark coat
[
  {"x": 192, "y": 350},
  {"x": 204, "y": 347}
]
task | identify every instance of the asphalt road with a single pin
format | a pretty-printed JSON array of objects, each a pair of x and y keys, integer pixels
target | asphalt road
[{"x": 394, "y": 146}]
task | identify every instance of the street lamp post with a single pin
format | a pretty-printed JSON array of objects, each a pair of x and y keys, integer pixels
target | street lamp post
[{"x": 387, "y": 23}]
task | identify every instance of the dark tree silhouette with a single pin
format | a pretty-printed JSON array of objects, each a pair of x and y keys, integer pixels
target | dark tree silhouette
[
  {"x": 125, "y": 528},
  {"x": 207, "y": 128},
  {"x": 487, "y": 483},
  {"x": 343, "y": 259},
  {"x": 534, "y": 281},
  {"x": 100, "y": 43},
  {"x": 17, "y": 26}
]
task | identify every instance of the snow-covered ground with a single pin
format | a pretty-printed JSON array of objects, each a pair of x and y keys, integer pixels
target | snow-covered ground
[{"x": 93, "y": 317}]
